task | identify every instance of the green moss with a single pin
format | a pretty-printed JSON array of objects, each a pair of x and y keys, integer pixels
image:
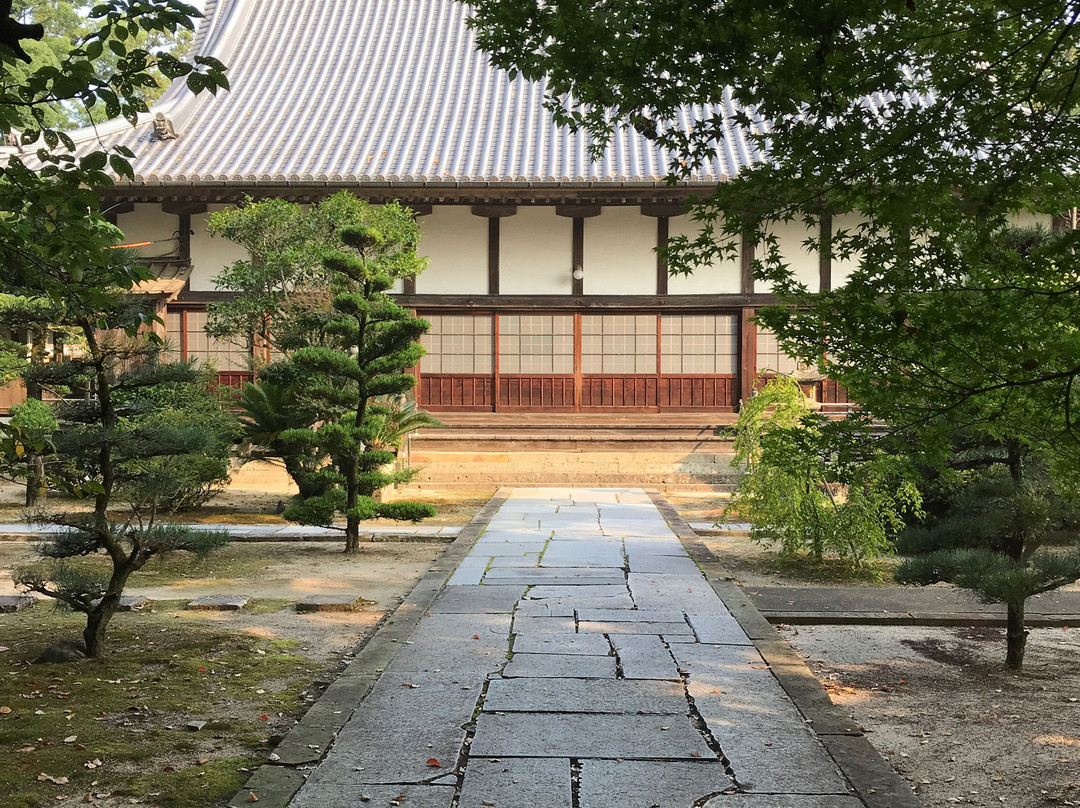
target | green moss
[{"x": 129, "y": 708}]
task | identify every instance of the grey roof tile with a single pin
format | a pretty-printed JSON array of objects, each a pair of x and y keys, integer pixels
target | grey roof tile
[{"x": 341, "y": 91}]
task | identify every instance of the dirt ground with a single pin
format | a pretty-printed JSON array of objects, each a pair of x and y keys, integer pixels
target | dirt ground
[{"x": 940, "y": 707}]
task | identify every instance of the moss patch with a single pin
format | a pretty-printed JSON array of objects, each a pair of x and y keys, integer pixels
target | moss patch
[{"x": 120, "y": 724}]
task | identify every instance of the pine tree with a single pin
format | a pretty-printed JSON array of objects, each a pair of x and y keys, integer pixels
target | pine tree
[{"x": 377, "y": 341}]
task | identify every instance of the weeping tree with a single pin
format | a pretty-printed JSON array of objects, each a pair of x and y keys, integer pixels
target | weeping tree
[
  {"x": 376, "y": 340},
  {"x": 118, "y": 446}
]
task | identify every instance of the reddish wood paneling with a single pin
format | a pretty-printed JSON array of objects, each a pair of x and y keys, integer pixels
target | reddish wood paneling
[
  {"x": 536, "y": 392},
  {"x": 457, "y": 391},
  {"x": 619, "y": 391},
  {"x": 831, "y": 392},
  {"x": 12, "y": 394},
  {"x": 698, "y": 392}
]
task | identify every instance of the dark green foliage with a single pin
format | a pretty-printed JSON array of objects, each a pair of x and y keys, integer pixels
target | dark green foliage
[
  {"x": 990, "y": 539},
  {"x": 374, "y": 341}
]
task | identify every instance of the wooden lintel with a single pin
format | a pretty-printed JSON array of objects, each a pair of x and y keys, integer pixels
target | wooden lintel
[
  {"x": 577, "y": 211},
  {"x": 746, "y": 264},
  {"x": 641, "y": 303},
  {"x": 494, "y": 211},
  {"x": 183, "y": 208},
  {"x": 663, "y": 211}
]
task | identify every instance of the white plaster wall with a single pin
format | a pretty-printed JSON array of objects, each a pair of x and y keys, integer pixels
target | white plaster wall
[
  {"x": 210, "y": 255},
  {"x": 720, "y": 278},
  {"x": 535, "y": 252},
  {"x": 804, "y": 263},
  {"x": 147, "y": 222},
  {"x": 841, "y": 267},
  {"x": 1026, "y": 219},
  {"x": 456, "y": 244},
  {"x": 619, "y": 255}
]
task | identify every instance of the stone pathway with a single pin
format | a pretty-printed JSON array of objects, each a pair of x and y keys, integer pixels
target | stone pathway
[{"x": 577, "y": 658}]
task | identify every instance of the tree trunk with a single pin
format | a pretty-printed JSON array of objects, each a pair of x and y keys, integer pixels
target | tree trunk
[
  {"x": 1015, "y": 637},
  {"x": 35, "y": 480},
  {"x": 97, "y": 623}
]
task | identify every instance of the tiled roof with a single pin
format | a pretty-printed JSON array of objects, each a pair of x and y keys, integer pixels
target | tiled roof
[{"x": 374, "y": 92}]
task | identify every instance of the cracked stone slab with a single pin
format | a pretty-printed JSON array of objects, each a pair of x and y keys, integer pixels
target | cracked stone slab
[
  {"x": 516, "y": 783},
  {"x": 589, "y": 644},
  {"x": 527, "y": 560},
  {"x": 630, "y": 615},
  {"x": 561, "y": 576},
  {"x": 398, "y": 728},
  {"x": 331, "y": 603},
  {"x": 574, "y": 735},
  {"x": 784, "y": 801},
  {"x": 688, "y": 593},
  {"x": 717, "y": 628},
  {"x": 656, "y": 784},
  {"x": 219, "y": 603},
  {"x": 663, "y": 564},
  {"x": 319, "y": 793},
  {"x": 643, "y": 656},
  {"x": 636, "y": 627},
  {"x": 465, "y": 644},
  {"x": 527, "y": 624},
  {"x": 560, "y": 666},
  {"x": 594, "y": 591},
  {"x": 586, "y": 696},
  {"x": 539, "y": 608},
  {"x": 592, "y": 554},
  {"x": 480, "y": 599}
]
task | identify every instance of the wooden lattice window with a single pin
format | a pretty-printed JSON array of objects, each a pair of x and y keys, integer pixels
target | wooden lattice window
[
  {"x": 536, "y": 343},
  {"x": 699, "y": 344},
  {"x": 458, "y": 343},
  {"x": 618, "y": 343}
]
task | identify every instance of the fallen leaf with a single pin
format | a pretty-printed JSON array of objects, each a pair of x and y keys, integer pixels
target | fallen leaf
[
  {"x": 476, "y": 636},
  {"x": 409, "y": 684},
  {"x": 4, "y": 648},
  {"x": 4, "y": 710},
  {"x": 71, "y": 739},
  {"x": 695, "y": 754},
  {"x": 252, "y": 797},
  {"x": 264, "y": 717},
  {"x": 434, "y": 763},
  {"x": 203, "y": 761},
  {"x": 201, "y": 670}
]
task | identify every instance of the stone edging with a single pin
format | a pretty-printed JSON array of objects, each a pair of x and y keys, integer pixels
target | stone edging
[
  {"x": 276, "y": 782},
  {"x": 873, "y": 779}
]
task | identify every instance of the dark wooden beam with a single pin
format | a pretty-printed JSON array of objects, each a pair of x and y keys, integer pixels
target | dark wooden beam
[
  {"x": 493, "y": 256},
  {"x": 825, "y": 255},
  {"x": 577, "y": 260},
  {"x": 570, "y": 303},
  {"x": 494, "y": 211},
  {"x": 178, "y": 207},
  {"x": 747, "y": 264},
  {"x": 183, "y": 237},
  {"x": 663, "y": 226},
  {"x": 577, "y": 211},
  {"x": 409, "y": 285},
  {"x": 419, "y": 209},
  {"x": 665, "y": 211}
]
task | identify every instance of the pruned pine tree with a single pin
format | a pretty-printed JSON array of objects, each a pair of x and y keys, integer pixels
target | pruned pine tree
[
  {"x": 113, "y": 447},
  {"x": 991, "y": 539},
  {"x": 377, "y": 342}
]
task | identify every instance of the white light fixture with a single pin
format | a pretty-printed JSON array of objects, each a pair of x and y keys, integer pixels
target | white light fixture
[{"x": 578, "y": 274}]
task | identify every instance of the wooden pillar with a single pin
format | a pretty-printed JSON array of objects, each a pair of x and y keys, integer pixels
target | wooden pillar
[
  {"x": 493, "y": 255},
  {"x": 663, "y": 232},
  {"x": 747, "y": 263},
  {"x": 825, "y": 255},
  {"x": 747, "y": 353},
  {"x": 578, "y": 258}
]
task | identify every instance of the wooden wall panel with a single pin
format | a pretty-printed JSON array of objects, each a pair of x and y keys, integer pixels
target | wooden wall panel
[
  {"x": 618, "y": 391},
  {"x": 698, "y": 392},
  {"x": 445, "y": 391},
  {"x": 536, "y": 392}
]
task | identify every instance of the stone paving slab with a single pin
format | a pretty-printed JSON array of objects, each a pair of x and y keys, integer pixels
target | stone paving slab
[
  {"x": 586, "y": 696},
  {"x": 517, "y": 783},
  {"x": 659, "y": 546},
  {"x": 477, "y": 599},
  {"x": 529, "y": 624},
  {"x": 588, "y": 736},
  {"x": 560, "y": 576},
  {"x": 636, "y": 627},
  {"x": 662, "y": 564},
  {"x": 648, "y": 783},
  {"x": 324, "y": 602},
  {"x": 470, "y": 572},
  {"x": 573, "y": 554},
  {"x": 560, "y": 666},
  {"x": 467, "y": 644},
  {"x": 783, "y": 801},
  {"x": 589, "y": 644},
  {"x": 644, "y": 656},
  {"x": 15, "y": 603},
  {"x": 219, "y": 603},
  {"x": 689, "y": 593},
  {"x": 318, "y": 794},
  {"x": 630, "y": 615},
  {"x": 585, "y": 592},
  {"x": 718, "y": 628}
]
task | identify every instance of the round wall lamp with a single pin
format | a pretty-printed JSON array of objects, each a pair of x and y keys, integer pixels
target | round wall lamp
[{"x": 578, "y": 274}]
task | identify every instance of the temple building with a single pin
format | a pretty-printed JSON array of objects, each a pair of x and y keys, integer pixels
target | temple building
[{"x": 544, "y": 287}]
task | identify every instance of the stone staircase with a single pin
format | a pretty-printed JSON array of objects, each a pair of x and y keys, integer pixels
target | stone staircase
[{"x": 665, "y": 451}]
